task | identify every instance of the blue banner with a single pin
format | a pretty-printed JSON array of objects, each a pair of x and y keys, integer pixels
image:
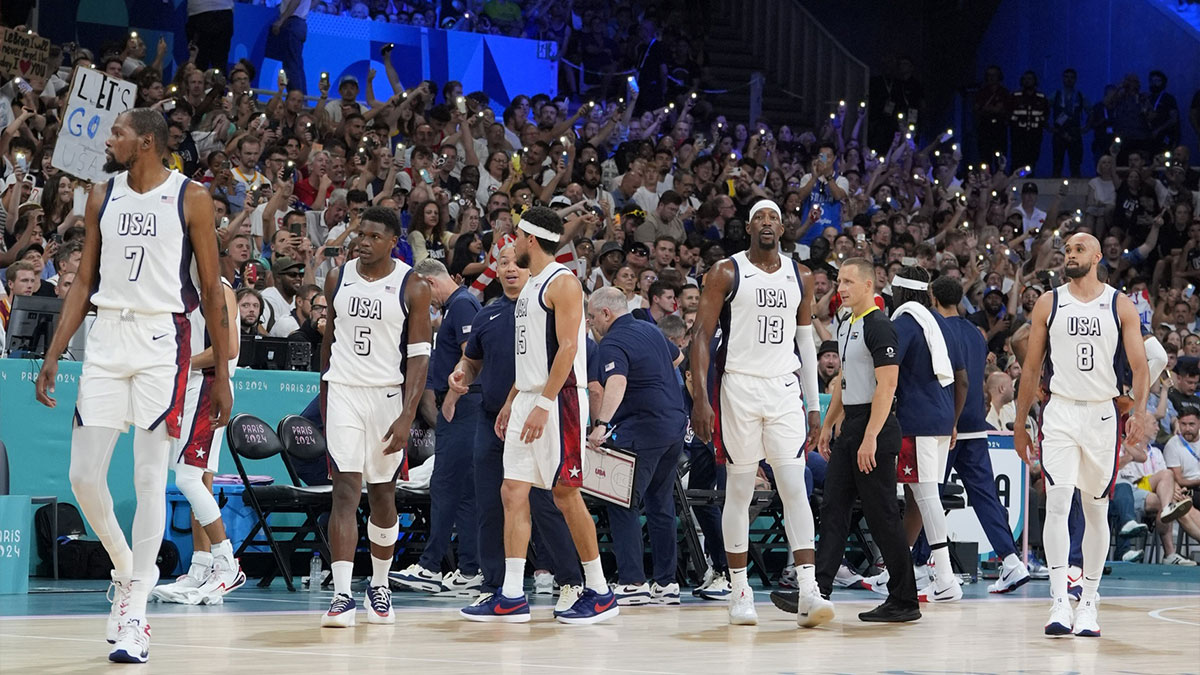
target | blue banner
[{"x": 16, "y": 529}]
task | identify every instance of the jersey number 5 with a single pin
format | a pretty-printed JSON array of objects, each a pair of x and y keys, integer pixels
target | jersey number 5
[
  {"x": 770, "y": 329},
  {"x": 362, "y": 341},
  {"x": 522, "y": 343}
]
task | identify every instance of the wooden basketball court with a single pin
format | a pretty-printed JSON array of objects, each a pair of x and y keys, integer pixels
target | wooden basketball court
[{"x": 1148, "y": 627}]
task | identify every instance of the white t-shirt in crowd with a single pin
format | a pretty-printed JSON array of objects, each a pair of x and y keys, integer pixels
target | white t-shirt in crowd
[
  {"x": 1177, "y": 454},
  {"x": 280, "y": 311}
]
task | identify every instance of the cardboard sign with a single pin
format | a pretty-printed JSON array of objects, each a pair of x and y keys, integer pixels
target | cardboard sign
[
  {"x": 23, "y": 54},
  {"x": 93, "y": 105}
]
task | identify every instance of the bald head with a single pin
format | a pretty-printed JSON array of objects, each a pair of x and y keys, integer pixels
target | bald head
[
  {"x": 1082, "y": 255},
  {"x": 1000, "y": 388}
]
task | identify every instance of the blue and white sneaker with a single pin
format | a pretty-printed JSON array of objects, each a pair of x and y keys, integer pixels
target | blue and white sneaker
[
  {"x": 495, "y": 608},
  {"x": 1062, "y": 618},
  {"x": 417, "y": 578},
  {"x": 379, "y": 605},
  {"x": 715, "y": 588},
  {"x": 665, "y": 595},
  {"x": 1011, "y": 578},
  {"x": 1074, "y": 585},
  {"x": 591, "y": 607},
  {"x": 132, "y": 643},
  {"x": 341, "y": 612},
  {"x": 632, "y": 594}
]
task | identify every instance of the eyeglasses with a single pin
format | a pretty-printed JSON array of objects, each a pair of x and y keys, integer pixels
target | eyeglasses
[
  {"x": 292, "y": 273},
  {"x": 319, "y": 308}
]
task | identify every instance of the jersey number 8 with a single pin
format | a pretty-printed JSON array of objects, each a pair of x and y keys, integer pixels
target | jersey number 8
[{"x": 1084, "y": 356}]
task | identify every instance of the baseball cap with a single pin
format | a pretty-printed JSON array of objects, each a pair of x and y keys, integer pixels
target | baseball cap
[
  {"x": 1029, "y": 186},
  {"x": 994, "y": 289},
  {"x": 284, "y": 263},
  {"x": 348, "y": 78},
  {"x": 828, "y": 347},
  {"x": 559, "y": 201},
  {"x": 610, "y": 247}
]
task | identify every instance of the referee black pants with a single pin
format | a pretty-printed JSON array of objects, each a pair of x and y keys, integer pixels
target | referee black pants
[{"x": 844, "y": 482}]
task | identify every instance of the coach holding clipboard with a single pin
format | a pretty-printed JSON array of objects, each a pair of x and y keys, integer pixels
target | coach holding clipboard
[{"x": 862, "y": 460}]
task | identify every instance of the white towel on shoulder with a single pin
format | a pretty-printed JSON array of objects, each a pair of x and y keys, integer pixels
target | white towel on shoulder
[{"x": 942, "y": 368}]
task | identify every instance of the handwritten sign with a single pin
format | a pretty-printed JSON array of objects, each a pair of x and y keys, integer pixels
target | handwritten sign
[
  {"x": 92, "y": 106},
  {"x": 23, "y": 54}
]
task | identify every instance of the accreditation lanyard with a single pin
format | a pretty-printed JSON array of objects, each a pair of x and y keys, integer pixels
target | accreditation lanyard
[{"x": 1189, "y": 447}]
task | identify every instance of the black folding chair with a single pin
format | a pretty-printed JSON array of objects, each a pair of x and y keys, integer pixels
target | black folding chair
[{"x": 251, "y": 439}]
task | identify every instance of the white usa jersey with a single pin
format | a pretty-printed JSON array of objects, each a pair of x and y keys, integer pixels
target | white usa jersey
[
  {"x": 759, "y": 319},
  {"x": 199, "y": 331},
  {"x": 370, "y": 334},
  {"x": 145, "y": 253},
  {"x": 1083, "y": 346},
  {"x": 537, "y": 339}
]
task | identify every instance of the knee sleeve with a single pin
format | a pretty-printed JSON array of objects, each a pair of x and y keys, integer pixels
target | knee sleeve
[
  {"x": 382, "y": 536},
  {"x": 190, "y": 481},
  {"x": 735, "y": 517},
  {"x": 797, "y": 512},
  {"x": 1055, "y": 537},
  {"x": 933, "y": 517}
]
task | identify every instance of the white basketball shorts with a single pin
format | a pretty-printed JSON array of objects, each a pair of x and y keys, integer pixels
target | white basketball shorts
[
  {"x": 1081, "y": 444},
  {"x": 135, "y": 371},
  {"x": 356, "y": 421},
  {"x": 556, "y": 458},
  {"x": 760, "y": 418}
]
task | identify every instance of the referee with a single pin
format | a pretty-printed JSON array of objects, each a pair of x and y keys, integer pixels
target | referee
[{"x": 862, "y": 463}]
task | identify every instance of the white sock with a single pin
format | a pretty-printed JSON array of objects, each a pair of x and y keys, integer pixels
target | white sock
[
  {"x": 342, "y": 570},
  {"x": 514, "y": 578},
  {"x": 379, "y": 570},
  {"x": 223, "y": 550},
  {"x": 943, "y": 571},
  {"x": 593, "y": 576},
  {"x": 806, "y": 577},
  {"x": 737, "y": 578},
  {"x": 1011, "y": 560}
]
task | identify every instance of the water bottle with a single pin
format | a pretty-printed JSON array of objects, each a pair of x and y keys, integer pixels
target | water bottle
[{"x": 314, "y": 572}]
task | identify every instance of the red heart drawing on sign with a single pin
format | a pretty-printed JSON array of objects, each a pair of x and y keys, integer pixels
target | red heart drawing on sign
[{"x": 25, "y": 65}]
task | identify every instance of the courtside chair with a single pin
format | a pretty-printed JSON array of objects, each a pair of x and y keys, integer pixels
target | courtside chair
[{"x": 252, "y": 440}]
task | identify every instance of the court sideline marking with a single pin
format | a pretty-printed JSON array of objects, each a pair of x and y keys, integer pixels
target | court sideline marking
[{"x": 1158, "y": 614}]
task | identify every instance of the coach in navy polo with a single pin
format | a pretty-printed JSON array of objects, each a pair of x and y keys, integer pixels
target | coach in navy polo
[
  {"x": 489, "y": 361},
  {"x": 642, "y": 410},
  {"x": 452, "y": 499}
]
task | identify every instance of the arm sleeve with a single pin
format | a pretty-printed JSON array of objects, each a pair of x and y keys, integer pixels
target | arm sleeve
[
  {"x": 1157, "y": 358},
  {"x": 880, "y": 338},
  {"x": 809, "y": 381}
]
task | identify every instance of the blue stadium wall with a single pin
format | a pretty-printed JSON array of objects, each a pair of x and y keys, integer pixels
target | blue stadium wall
[{"x": 502, "y": 67}]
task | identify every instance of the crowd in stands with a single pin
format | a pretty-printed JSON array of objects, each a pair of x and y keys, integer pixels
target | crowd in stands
[{"x": 653, "y": 193}]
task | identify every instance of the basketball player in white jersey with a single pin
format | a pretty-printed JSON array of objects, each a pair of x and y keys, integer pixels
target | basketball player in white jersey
[
  {"x": 145, "y": 228},
  {"x": 543, "y": 423},
  {"x": 1081, "y": 328},
  {"x": 213, "y": 571},
  {"x": 763, "y": 303},
  {"x": 374, "y": 358}
]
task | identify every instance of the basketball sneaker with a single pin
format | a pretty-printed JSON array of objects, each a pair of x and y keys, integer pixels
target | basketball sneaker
[
  {"x": 1061, "y": 618},
  {"x": 543, "y": 583},
  {"x": 664, "y": 595},
  {"x": 1011, "y": 578},
  {"x": 715, "y": 588},
  {"x": 935, "y": 592},
  {"x": 119, "y": 592},
  {"x": 495, "y": 608},
  {"x": 741, "y": 607},
  {"x": 458, "y": 584},
  {"x": 567, "y": 595},
  {"x": 341, "y": 612},
  {"x": 227, "y": 576},
  {"x": 1087, "y": 618},
  {"x": 379, "y": 605},
  {"x": 813, "y": 609},
  {"x": 591, "y": 607},
  {"x": 417, "y": 578},
  {"x": 786, "y": 601},
  {"x": 630, "y": 595},
  {"x": 847, "y": 578},
  {"x": 877, "y": 583},
  {"x": 1074, "y": 576},
  {"x": 787, "y": 579},
  {"x": 193, "y": 579},
  {"x": 1176, "y": 511},
  {"x": 132, "y": 643},
  {"x": 1037, "y": 570}
]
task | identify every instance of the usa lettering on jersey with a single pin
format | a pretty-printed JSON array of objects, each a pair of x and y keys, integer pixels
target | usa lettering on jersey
[
  {"x": 137, "y": 224},
  {"x": 366, "y": 308}
]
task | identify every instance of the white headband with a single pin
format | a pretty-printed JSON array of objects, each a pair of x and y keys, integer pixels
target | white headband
[
  {"x": 764, "y": 204},
  {"x": 911, "y": 284},
  {"x": 537, "y": 230}
]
